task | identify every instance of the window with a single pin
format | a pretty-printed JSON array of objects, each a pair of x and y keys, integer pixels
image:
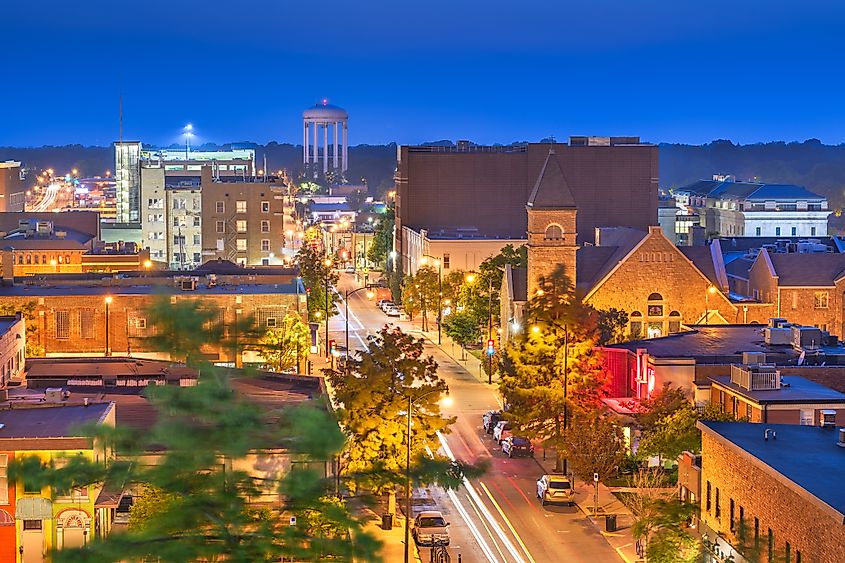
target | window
[
  {"x": 140, "y": 323},
  {"x": 219, "y": 244},
  {"x": 197, "y": 222},
  {"x": 757, "y": 231},
  {"x": 636, "y": 323},
  {"x": 156, "y": 235},
  {"x": 86, "y": 323},
  {"x": 271, "y": 322},
  {"x": 741, "y": 523},
  {"x": 197, "y": 240},
  {"x": 265, "y": 207},
  {"x": 179, "y": 203},
  {"x": 156, "y": 203},
  {"x": 4, "y": 479},
  {"x": 709, "y": 494},
  {"x": 265, "y": 245},
  {"x": 797, "y": 556},
  {"x": 756, "y": 533},
  {"x": 807, "y": 417},
  {"x": 197, "y": 258},
  {"x": 787, "y": 553},
  {"x": 820, "y": 299},
  {"x": 771, "y": 538},
  {"x": 732, "y": 513},
  {"x": 220, "y": 227},
  {"x": 196, "y": 204},
  {"x": 777, "y": 231},
  {"x": 155, "y": 217},
  {"x": 32, "y": 524},
  {"x": 655, "y": 297},
  {"x": 62, "y": 325},
  {"x": 265, "y": 226},
  {"x": 553, "y": 232},
  {"x": 240, "y": 206},
  {"x": 812, "y": 234},
  {"x": 240, "y": 225},
  {"x": 241, "y": 245},
  {"x": 446, "y": 258},
  {"x": 718, "y": 505},
  {"x": 655, "y": 310},
  {"x": 221, "y": 207},
  {"x": 674, "y": 322},
  {"x": 178, "y": 240}
]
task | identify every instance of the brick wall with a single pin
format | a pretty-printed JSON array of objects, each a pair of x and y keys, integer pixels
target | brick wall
[
  {"x": 544, "y": 256},
  {"x": 815, "y": 532}
]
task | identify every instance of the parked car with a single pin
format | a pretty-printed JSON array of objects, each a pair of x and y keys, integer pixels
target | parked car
[
  {"x": 385, "y": 304},
  {"x": 392, "y": 311},
  {"x": 501, "y": 431},
  {"x": 516, "y": 446},
  {"x": 350, "y": 269},
  {"x": 490, "y": 419},
  {"x": 555, "y": 488},
  {"x": 381, "y": 302},
  {"x": 431, "y": 528}
]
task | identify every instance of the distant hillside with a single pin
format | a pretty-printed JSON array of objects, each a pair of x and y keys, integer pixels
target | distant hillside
[{"x": 821, "y": 168}]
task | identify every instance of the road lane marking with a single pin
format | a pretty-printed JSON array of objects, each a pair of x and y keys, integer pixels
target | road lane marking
[
  {"x": 515, "y": 486},
  {"x": 507, "y": 521},
  {"x": 480, "y": 503},
  {"x": 489, "y": 533}
]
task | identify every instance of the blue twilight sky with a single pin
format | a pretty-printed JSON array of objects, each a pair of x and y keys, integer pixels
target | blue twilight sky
[{"x": 410, "y": 71}]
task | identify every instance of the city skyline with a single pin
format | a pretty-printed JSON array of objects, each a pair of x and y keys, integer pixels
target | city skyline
[{"x": 492, "y": 73}]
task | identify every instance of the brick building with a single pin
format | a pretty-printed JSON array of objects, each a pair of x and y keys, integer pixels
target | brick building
[
  {"x": 243, "y": 222},
  {"x": 774, "y": 487},
  {"x": 482, "y": 191},
  {"x": 70, "y": 311},
  {"x": 12, "y": 348},
  {"x": 12, "y": 190}
]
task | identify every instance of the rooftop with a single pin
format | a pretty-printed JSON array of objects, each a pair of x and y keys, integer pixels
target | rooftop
[
  {"x": 794, "y": 389},
  {"x": 754, "y": 191},
  {"x": 148, "y": 289},
  {"x": 806, "y": 456},
  {"x": 53, "y": 368},
  {"x": 50, "y": 422},
  {"x": 7, "y": 322}
]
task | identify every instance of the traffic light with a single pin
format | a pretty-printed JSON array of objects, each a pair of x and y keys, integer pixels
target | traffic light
[
  {"x": 332, "y": 347},
  {"x": 491, "y": 347}
]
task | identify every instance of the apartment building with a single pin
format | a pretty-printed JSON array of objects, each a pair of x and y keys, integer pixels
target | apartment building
[
  {"x": 243, "y": 221},
  {"x": 12, "y": 191}
]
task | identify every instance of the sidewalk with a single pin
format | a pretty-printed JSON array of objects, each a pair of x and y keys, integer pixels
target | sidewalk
[
  {"x": 393, "y": 540},
  {"x": 622, "y": 540}
]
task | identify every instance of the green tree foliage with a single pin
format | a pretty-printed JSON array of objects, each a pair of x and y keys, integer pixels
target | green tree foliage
[
  {"x": 423, "y": 290},
  {"x": 560, "y": 339},
  {"x": 664, "y": 527},
  {"x": 462, "y": 328},
  {"x": 383, "y": 237},
  {"x": 33, "y": 348},
  {"x": 202, "y": 436},
  {"x": 284, "y": 347},
  {"x": 374, "y": 405},
  {"x": 148, "y": 504},
  {"x": 677, "y": 432},
  {"x": 314, "y": 272},
  {"x": 481, "y": 295},
  {"x": 593, "y": 444},
  {"x": 613, "y": 326},
  {"x": 660, "y": 405}
]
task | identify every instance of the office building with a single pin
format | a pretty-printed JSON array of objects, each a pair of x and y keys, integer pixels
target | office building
[
  {"x": 729, "y": 208},
  {"x": 242, "y": 221},
  {"x": 481, "y": 192},
  {"x": 12, "y": 191}
]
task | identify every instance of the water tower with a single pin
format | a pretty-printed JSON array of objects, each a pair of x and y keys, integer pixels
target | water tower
[{"x": 323, "y": 116}]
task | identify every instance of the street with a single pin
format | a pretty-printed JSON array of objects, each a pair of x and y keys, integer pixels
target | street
[{"x": 495, "y": 518}]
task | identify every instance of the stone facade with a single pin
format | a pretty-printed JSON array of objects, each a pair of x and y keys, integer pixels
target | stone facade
[
  {"x": 732, "y": 477},
  {"x": 551, "y": 243}
]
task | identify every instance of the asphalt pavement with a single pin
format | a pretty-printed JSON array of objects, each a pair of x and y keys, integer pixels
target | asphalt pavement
[{"x": 497, "y": 517}]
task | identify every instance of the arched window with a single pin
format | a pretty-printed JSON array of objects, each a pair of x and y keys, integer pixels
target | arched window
[
  {"x": 674, "y": 322},
  {"x": 35, "y": 259},
  {"x": 655, "y": 297},
  {"x": 636, "y": 324},
  {"x": 67, "y": 258},
  {"x": 43, "y": 258},
  {"x": 554, "y": 232},
  {"x": 61, "y": 259},
  {"x": 29, "y": 258}
]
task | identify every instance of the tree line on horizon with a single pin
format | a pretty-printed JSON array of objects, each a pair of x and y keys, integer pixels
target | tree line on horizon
[{"x": 818, "y": 167}]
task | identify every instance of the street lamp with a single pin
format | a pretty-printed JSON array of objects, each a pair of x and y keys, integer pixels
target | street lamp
[
  {"x": 445, "y": 401},
  {"x": 328, "y": 263},
  {"x": 370, "y": 295},
  {"x": 439, "y": 265},
  {"x": 107, "y": 301}
]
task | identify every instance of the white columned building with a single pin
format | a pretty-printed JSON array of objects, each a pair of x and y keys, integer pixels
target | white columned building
[{"x": 319, "y": 119}]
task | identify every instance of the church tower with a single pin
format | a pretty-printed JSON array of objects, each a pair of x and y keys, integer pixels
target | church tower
[{"x": 551, "y": 225}]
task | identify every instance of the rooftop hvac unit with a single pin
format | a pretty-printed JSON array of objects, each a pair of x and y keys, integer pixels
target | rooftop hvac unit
[
  {"x": 753, "y": 358},
  {"x": 827, "y": 419},
  {"x": 841, "y": 442},
  {"x": 186, "y": 283},
  {"x": 777, "y": 322},
  {"x": 777, "y": 336},
  {"x": 806, "y": 337},
  {"x": 43, "y": 227}
]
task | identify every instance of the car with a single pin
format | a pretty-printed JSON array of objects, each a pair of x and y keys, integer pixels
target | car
[
  {"x": 350, "y": 269},
  {"x": 517, "y": 446},
  {"x": 431, "y": 528},
  {"x": 392, "y": 312},
  {"x": 555, "y": 488},
  {"x": 501, "y": 431},
  {"x": 385, "y": 304},
  {"x": 381, "y": 302},
  {"x": 490, "y": 419}
]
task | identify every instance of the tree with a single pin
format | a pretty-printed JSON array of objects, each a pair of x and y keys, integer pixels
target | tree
[
  {"x": 27, "y": 310},
  {"x": 676, "y": 432},
  {"x": 552, "y": 367},
  {"x": 664, "y": 528},
  {"x": 202, "y": 436},
  {"x": 356, "y": 200},
  {"x": 462, "y": 328},
  {"x": 285, "y": 346},
  {"x": 612, "y": 324},
  {"x": 593, "y": 444},
  {"x": 479, "y": 294},
  {"x": 383, "y": 238},
  {"x": 149, "y": 504},
  {"x": 374, "y": 404},
  {"x": 423, "y": 289},
  {"x": 660, "y": 405},
  {"x": 315, "y": 272}
]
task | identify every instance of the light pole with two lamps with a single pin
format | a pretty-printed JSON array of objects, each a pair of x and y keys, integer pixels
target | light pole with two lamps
[{"x": 444, "y": 401}]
